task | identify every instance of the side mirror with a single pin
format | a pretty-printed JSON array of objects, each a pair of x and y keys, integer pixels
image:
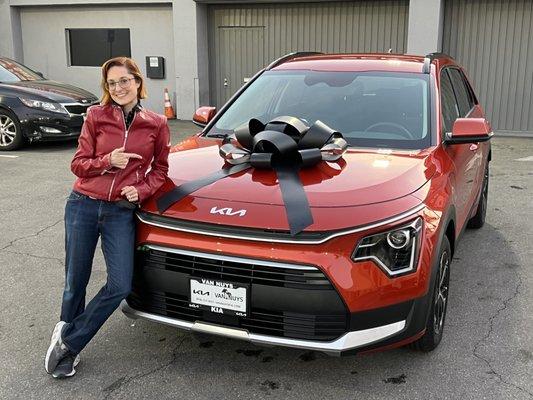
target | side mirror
[
  {"x": 203, "y": 115},
  {"x": 469, "y": 130}
]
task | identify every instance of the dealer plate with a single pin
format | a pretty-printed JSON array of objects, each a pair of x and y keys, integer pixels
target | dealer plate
[{"x": 219, "y": 296}]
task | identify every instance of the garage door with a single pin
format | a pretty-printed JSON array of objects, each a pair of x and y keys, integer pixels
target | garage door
[
  {"x": 245, "y": 38},
  {"x": 493, "y": 40},
  {"x": 46, "y": 45}
]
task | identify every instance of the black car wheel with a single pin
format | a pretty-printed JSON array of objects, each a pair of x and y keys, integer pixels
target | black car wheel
[
  {"x": 478, "y": 220},
  {"x": 10, "y": 132},
  {"x": 439, "y": 302}
]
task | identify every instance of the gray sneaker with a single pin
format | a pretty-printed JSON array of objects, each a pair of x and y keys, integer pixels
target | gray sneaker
[
  {"x": 57, "y": 350},
  {"x": 66, "y": 366}
]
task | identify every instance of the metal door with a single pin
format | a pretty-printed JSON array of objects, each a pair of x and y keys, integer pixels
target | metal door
[
  {"x": 492, "y": 39},
  {"x": 242, "y": 32},
  {"x": 242, "y": 56}
]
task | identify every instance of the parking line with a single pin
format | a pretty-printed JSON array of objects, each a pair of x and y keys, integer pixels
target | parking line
[
  {"x": 530, "y": 158},
  {"x": 6, "y": 156}
]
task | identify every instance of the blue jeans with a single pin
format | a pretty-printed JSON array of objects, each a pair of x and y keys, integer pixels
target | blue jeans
[{"x": 87, "y": 219}]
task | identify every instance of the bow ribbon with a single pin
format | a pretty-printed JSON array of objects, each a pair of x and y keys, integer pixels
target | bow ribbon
[{"x": 285, "y": 145}]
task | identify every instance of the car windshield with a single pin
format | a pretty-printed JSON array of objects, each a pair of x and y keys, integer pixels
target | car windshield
[
  {"x": 370, "y": 109},
  {"x": 10, "y": 71}
]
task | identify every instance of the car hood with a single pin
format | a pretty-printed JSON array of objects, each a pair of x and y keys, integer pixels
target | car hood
[
  {"x": 363, "y": 176},
  {"x": 56, "y": 91},
  {"x": 364, "y": 187}
]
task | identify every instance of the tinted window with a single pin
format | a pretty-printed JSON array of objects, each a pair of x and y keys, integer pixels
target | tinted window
[
  {"x": 11, "y": 71},
  {"x": 450, "y": 111},
  {"x": 461, "y": 91},
  {"x": 371, "y": 109},
  {"x": 93, "y": 47},
  {"x": 471, "y": 95}
]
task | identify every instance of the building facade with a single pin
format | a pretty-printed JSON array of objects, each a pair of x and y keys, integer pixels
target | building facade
[{"x": 211, "y": 47}]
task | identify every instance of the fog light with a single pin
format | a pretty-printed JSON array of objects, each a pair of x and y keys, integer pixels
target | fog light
[
  {"x": 398, "y": 239},
  {"x": 47, "y": 129}
]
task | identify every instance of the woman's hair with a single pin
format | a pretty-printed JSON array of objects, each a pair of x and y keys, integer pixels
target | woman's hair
[{"x": 132, "y": 68}]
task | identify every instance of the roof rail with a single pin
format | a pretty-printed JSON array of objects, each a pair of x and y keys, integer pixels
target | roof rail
[
  {"x": 289, "y": 56},
  {"x": 429, "y": 58}
]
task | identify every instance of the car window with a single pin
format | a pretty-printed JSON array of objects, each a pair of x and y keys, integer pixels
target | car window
[
  {"x": 11, "y": 71},
  {"x": 371, "y": 109},
  {"x": 471, "y": 95},
  {"x": 450, "y": 111},
  {"x": 461, "y": 92}
]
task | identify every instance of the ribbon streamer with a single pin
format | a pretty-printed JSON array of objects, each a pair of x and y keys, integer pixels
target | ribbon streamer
[{"x": 285, "y": 145}]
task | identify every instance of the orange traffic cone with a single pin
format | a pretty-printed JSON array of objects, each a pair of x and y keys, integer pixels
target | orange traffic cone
[{"x": 169, "y": 111}]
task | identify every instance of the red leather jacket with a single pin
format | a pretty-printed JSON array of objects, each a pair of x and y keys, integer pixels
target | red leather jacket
[{"x": 105, "y": 130}]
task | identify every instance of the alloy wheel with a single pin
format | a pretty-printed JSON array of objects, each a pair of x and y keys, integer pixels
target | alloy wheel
[
  {"x": 441, "y": 292},
  {"x": 8, "y": 131}
]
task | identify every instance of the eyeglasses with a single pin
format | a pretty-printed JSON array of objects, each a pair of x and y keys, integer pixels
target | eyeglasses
[{"x": 124, "y": 83}]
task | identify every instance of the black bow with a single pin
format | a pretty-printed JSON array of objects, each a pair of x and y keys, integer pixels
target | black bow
[{"x": 285, "y": 144}]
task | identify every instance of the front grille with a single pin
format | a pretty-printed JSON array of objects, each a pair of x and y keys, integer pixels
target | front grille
[
  {"x": 286, "y": 302},
  {"x": 76, "y": 109},
  {"x": 237, "y": 272}
]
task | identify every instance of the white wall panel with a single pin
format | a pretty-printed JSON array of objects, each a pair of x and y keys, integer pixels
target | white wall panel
[{"x": 45, "y": 46}]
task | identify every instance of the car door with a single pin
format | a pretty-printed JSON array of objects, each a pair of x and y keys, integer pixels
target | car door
[
  {"x": 462, "y": 155},
  {"x": 467, "y": 109},
  {"x": 472, "y": 110}
]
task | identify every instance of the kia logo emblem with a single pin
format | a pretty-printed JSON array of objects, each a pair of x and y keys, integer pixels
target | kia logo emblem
[{"x": 227, "y": 211}]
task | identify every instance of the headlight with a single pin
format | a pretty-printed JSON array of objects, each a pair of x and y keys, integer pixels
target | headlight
[
  {"x": 395, "y": 251},
  {"x": 44, "y": 105}
]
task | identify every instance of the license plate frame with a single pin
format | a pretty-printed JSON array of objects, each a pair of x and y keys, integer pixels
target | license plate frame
[{"x": 219, "y": 296}]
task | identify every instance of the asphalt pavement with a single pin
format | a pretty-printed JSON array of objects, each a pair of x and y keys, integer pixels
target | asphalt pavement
[{"x": 486, "y": 353}]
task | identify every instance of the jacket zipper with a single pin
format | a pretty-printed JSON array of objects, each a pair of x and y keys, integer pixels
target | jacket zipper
[{"x": 126, "y": 131}]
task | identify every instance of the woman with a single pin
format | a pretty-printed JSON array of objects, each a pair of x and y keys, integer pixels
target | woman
[{"x": 121, "y": 160}]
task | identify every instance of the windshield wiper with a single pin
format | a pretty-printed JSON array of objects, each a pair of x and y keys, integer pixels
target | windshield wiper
[{"x": 217, "y": 135}]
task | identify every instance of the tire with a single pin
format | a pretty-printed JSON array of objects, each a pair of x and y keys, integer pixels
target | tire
[
  {"x": 439, "y": 302},
  {"x": 478, "y": 220},
  {"x": 11, "y": 137}
]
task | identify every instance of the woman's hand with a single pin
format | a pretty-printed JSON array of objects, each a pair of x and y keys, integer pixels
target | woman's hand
[
  {"x": 120, "y": 159},
  {"x": 130, "y": 193}
]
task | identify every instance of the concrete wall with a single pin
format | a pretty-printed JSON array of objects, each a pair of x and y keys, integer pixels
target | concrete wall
[
  {"x": 150, "y": 34},
  {"x": 8, "y": 29},
  {"x": 187, "y": 18},
  {"x": 425, "y": 26}
]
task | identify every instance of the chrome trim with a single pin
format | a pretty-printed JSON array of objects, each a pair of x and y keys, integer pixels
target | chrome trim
[
  {"x": 348, "y": 341},
  {"x": 383, "y": 266},
  {"x": 77, "y": 104},
  {"x": 274, "y": 240},
  {"x": 240, "y": 260}
]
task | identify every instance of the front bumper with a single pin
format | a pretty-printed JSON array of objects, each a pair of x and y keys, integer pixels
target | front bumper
[
  {"x": 44, "y": 127},
  {"x": 348, "y": 342},
  {"x": 41, "y": 125},
  {"x": 292, "y": 305}
]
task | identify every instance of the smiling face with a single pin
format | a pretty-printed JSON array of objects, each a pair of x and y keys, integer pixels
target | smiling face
[{"x": 122, "y": 86}]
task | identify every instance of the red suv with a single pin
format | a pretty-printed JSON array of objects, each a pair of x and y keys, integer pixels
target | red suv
[{"x": 320, "y": 207}]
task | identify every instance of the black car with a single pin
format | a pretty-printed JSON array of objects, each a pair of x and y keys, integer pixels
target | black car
[{"x": 33, "y": 108}]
